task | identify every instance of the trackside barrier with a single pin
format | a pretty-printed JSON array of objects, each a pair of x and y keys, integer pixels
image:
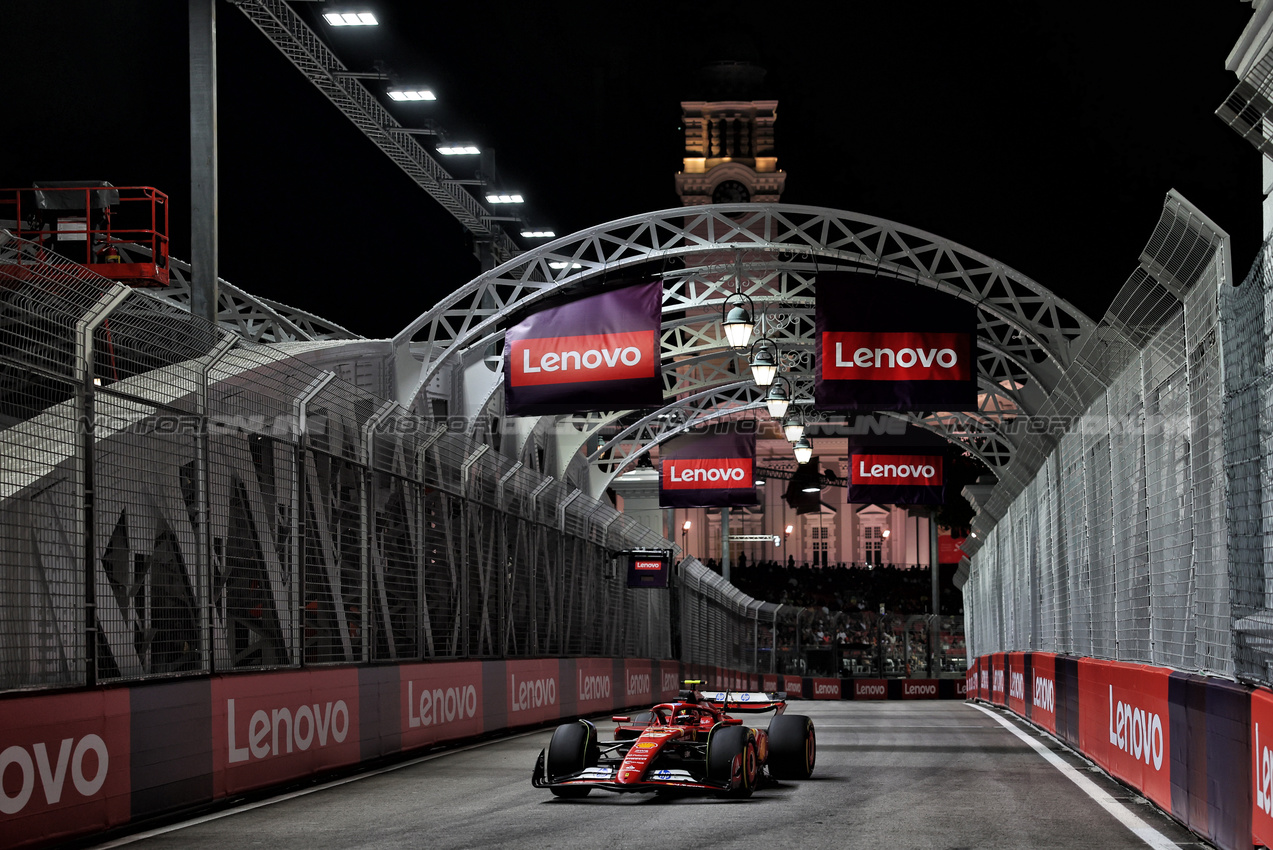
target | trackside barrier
[
  {"x": 75, "y": 763},
  {"x": 1198, "y": 747},
  {"x": 867, "y": 689}
]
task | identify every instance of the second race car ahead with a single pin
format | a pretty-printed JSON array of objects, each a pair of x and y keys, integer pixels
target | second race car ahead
[{"x": 689, "y": 745}]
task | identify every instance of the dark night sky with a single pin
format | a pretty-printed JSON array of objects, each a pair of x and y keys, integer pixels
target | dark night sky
[{"x": 1043, "y": 135}]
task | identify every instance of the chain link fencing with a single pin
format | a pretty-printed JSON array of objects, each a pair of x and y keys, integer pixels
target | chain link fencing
[
  {"x": 175, "y": 500},
  {"x": 1138, "y": 536}
]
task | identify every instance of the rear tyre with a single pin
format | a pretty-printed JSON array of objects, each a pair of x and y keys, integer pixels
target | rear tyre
[
  {"x": 573, "y": 748},
  {"x": 732, "y": 757},
  {"x": 792, "y": 747}
]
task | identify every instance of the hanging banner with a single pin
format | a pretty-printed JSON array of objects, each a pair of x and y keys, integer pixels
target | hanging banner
[
  {"x": 708, "y": 470},
  {"x": 891, "y": 477},
  {"x": 597, "y": 353},
  {"x": 885, "y": 344}
]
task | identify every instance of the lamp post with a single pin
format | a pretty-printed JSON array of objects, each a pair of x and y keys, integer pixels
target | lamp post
[
  {"x": 685, "y": 534},
  {"x": 785, "y": 535}
]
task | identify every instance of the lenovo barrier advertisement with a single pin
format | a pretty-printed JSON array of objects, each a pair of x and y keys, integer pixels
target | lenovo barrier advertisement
[
  {"x": 597, "y": 353},
  {"x": 895, "y": 477},
  {"x": 885, "y": 344},
  {"x": 708, "y": 470}
]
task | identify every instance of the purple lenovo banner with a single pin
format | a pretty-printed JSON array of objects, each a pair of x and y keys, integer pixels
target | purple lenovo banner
[
  {"x": 885, "y": 344},
  {"x": 597, "y": 353},
  {"x": 708, "y": 470},
  {"x": 896, "y": 477}
]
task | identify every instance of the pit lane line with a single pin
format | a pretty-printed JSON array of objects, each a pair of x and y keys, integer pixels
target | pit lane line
[
  {"x": 292, "y": 795},
  {"x": 1121, "y": 813}
]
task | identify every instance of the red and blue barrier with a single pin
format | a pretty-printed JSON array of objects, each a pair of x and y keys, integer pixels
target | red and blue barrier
[
  {"x": 1198, "y": 747},
  {"x": 81, "y": 762}
]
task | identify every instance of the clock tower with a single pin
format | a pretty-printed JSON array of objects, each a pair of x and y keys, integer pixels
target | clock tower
[{"x": 729, "y": 143}]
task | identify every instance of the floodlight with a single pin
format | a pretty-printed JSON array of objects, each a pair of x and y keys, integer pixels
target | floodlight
[
  {"x": 411, "y": 95},
  {"x": 350, "y": 19}
]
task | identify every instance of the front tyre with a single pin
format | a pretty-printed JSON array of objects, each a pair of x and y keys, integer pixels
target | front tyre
[
  {"x": 732, "y": 757},
  {"x": 573, "y": 748},
  {"x": 792, "y": 747}
]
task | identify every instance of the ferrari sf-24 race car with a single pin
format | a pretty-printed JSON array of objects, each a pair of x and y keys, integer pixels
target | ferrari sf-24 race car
[{"x": 689, "y": 745}]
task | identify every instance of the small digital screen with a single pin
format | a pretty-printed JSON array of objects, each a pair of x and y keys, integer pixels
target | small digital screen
[{"x": 648, "y": 569}]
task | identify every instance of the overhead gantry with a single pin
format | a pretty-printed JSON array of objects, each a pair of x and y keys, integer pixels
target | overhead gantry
[{"x": 449, "y": 357}]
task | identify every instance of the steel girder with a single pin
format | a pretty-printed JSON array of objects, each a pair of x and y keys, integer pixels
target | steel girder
[
  {"x": 253, "y": 318},
  {"x": 304, "y": 49},
  {"x": 1018, "y": 315},
  {"x": 1027, "y": 336},
  {"x": 980, "y": 433}
]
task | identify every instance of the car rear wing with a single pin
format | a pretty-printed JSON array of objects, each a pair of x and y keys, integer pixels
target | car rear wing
[{"x": 746, "y": 701}]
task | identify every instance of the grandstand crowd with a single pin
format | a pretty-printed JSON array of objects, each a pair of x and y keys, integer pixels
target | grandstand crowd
[{"x": 897, "y": 590}]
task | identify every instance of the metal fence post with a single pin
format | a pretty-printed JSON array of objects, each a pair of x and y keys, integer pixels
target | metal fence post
[
  {"x": 424, "y": 623},
  {"x": 296, "y": 610},
  {"x": 501, "y": 624},
  {"x": 561, "y": 574},
  {"x": 85, "y": 397},
  {"x": 369, "y": 534},
  {"x": 204, "y": 552},
  {"x": 465, "y": 582}
]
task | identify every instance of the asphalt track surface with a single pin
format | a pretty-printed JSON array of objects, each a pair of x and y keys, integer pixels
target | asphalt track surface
[{"x": 888, "y": 775}]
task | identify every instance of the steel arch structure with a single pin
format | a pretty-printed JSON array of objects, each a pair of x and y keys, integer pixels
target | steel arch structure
[{"x": 1028, "y": 336}]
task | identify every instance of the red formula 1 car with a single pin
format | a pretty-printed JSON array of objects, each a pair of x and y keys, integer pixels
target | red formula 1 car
[{"x": 690, "y": 745}]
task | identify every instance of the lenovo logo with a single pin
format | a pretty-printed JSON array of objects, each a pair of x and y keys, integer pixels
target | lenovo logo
[
  {"x": 894, "y": 356},
  {"x": 88, "y": 775},
  {"x": 532, "y": 693},
  {"x": 440, "y": 705},
  {"x": 918, "y": 689},
  {"x": 862, "y": 689},
  {"x": 1044, "y": 694},
  {"x": 823, "y": 690},
  {"x": 669, "y": 682},
  {"x": 280, "y": 730},
  {"x": 1016, "y": 687},
  {"x": 593, "y": 687},
  {"x": 648, "y": 565},
  {"x": 706, "y": 473},
  {"x": 582, "y": 359},
  {"x": 997, "y": 686},
  {"x": 638, "y": 684},
  {"x": 1136, "y": 731},
  {"x": 897, "y": 469}
]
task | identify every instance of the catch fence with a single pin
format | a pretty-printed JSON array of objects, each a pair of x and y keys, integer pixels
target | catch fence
[
  {"x": 1142, "y": 534},
  {"x": 176, "y": 501}
]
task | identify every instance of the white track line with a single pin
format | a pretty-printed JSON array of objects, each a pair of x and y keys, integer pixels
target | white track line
[
  {"x": 1121, "y": 813},
  {"x": 335, "y": 783}
]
